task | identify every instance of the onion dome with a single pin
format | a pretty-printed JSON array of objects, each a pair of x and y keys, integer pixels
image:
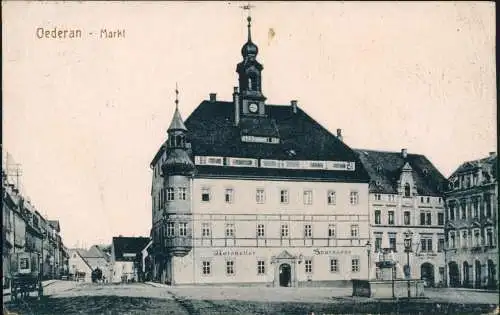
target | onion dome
[
  {"x": 249, "y": 49},
  {"x": 178, "y": 162}
]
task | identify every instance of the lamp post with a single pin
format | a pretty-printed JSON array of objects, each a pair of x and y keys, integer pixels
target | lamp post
[
  {"x": 368, "y": 251},
  {"x": 407, "y": 243}
]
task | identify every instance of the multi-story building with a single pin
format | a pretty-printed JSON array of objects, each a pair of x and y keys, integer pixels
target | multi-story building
[
  {"x": 407, "y": 201},
  {"x": 248, "y": 192},
  {"x": 472, "y": 224}
]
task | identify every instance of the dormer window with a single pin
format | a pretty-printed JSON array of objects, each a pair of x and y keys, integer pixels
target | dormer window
[{"x": 407, "y": 190}]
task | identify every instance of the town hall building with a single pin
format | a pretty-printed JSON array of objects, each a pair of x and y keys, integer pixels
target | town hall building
[{"x": 247, "y": 192}]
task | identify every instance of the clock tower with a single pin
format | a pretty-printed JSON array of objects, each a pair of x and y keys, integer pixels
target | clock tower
[{"x": 250, "y": 101}]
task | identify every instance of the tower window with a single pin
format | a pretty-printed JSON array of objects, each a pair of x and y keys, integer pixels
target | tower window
[
  {"x": 170, "y": 229},
  {"x": 182, "y": 229},
  {"x": 249, "y": 84},
  {"x": 407, "y": 190},
  {"x": 181, "y": 193},
  {"x": 170, "y": 193}
]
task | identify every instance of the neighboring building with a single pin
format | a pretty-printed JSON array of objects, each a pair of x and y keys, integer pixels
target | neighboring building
[
  {"x": 406, "y": 195},
  {"x": 98, "y": 258},
  {"x": 472, "y": 224},
  {"x": 79, "y": 265},
  {"x": 125, "y": 258},
  {"x": 248, "y": 192}
]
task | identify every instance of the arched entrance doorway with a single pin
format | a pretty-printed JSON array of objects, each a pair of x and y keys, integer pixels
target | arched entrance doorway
[
  {"x": 453, "y": 274},
  {"x": 285, "y": 275},
  {"x": 427, "y": 274},
  {"x": 466, "y": 277},
  {"x": 477, "y": 269},
  {"x": 491, "y": 274}
]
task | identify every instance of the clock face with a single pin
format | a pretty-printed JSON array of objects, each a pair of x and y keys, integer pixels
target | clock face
[{"x": 253, "y": 107}]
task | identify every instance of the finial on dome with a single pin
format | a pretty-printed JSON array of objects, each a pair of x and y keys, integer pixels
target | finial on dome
[{"x": 176, "y": 96}]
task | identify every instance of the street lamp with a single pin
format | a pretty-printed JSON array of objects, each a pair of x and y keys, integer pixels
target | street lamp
[
  {"x": 368, "y": 251},
  {"x": 407, "y": 243}
]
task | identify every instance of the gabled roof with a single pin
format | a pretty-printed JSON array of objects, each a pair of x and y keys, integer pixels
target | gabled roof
[
  {"x": 385, "y": 170},
  {"x": 488, "y": 164},
  {"x": 211, "y": 132},
  {"x": 131, "y": 245}
]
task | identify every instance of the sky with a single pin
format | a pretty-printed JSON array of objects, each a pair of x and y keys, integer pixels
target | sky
[{"x": 84, "y": 117}]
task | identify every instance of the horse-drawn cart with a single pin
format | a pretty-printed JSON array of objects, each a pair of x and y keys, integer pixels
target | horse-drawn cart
[{"x": 26, "y": 275}]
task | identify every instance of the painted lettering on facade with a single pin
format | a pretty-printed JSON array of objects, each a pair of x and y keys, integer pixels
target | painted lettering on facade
[
  {"x": 317, "y": 251},
  {"x": 234, "y": 252}
]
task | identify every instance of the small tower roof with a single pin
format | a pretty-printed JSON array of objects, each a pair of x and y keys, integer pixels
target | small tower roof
[{"x": 177, "y": 123}]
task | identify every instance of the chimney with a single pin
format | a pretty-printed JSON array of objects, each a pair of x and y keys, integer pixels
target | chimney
[
  {"x": 404, "y": 153},
  {"x": 213, "y": 97},
  {"x": 339, "y": 134},
  {"x": 294, "y": 106},
  {"x": 236, "y": 101}
]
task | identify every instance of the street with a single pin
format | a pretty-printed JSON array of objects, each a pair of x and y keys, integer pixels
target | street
[{"x": 66, "y": 297}]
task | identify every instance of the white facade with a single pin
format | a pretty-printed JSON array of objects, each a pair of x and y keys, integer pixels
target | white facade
[
  {"x": 392, "y": 216},
  {"x": 77, "y": 264},
  {"x": 246, "y": 227}
]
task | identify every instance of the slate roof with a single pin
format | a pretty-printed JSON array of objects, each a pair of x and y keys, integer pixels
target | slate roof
[
  {"x": 123, "y": 245},
  {"x": 489, "y": 165},
  {"x": 211, "y": 132},
  {"x": 385, "y": 168}
]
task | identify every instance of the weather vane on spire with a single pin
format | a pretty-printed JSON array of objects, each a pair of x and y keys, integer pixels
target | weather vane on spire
[
  {"x": 176, "y": 96},
  {"x": 249, "y": 8}
]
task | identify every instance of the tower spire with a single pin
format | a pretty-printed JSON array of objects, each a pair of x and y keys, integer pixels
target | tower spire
[
  {"x": 176, "y": 96},
  {"x": 248, "y": 7}
]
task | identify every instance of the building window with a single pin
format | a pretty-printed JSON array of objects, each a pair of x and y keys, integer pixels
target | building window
[
  {"x": 390, "y": 218},
  {"x": 230, "y": 267},
  {"x": 475, "y": 206},
  {"x": 331, "y": 198},
  {"x": 452, "y": 240},
  {"x": 331, "y": 230},
  {"x": 334, "y": 265},
  {"x": 261, "y": 267},
  {"x": 284, "y": 230},
  {"x": 354, "y": 231},
  {"x": 428, "y": 200},
  {"x": 355, "y": 265},
  {"x": 440, "y": 218},
  {"x": 229, "y": 230},
  {"x": 205, "y": 229},
  {"x": 284, "y": 196},
  {"x": 260, "y": 230},
  {"x": 377, "y": 217},
  {"x": 487, "y": 201},
  {"x": 378, "y": 197},
  {"x": 181, "y": 193},
  {"x": 463, "y": 209},
  {"x": 260, "y": 195},
  {"x": 182, "y": 229},
  {"x": 354, "y": 197},
  {"x": 170, "y": 229},
  {"x": 489, "y": 237},
  {"x": 440, "y": 244},
  {"x": 452, "y": 211},
  {"x": 170, "y": 193},
  {"x": 392, "y": 241},
  {"x": 476, "y": 238},
  {"x": 378, "y": 242},
  {"x": 308, "y": 265},
  {"x": 228, "y": 197},
  {"x": 307, "y": 231},
  {"x": 407, "y": 190},
  {"x": 425, "y": 218},
  {"x": 407, "y": 220},
  {"x": 206, "y": 268},
  {"x": 205, "y": 194},
  {"x": 308, "y": 197},
  {"x": 426, "y": 245},
  {"x": 428, "y": 217},
  {"x": 391, "y": 197}
]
